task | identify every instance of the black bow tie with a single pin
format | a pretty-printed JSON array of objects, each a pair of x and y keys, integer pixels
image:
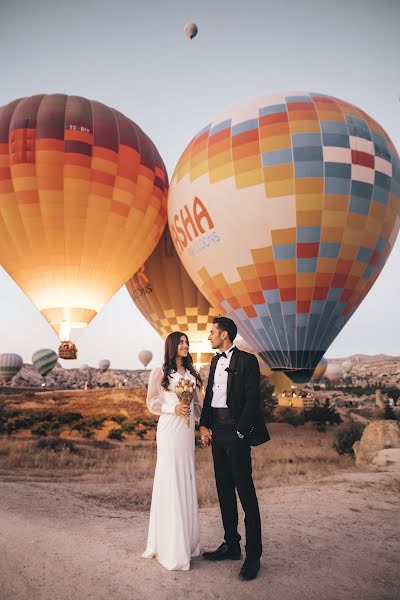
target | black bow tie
[{"x": 223, "y": 354}]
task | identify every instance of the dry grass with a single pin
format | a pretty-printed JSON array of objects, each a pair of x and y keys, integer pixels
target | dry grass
[
  {"x": 129, "y": 402},
  {"x": 125, "y": 471}
]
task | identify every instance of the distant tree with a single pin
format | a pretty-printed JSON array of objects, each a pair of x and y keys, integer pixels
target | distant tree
[
  {"x": 346, "y": 435},
  {"x": 116, "y": 434},
  {"x": 287, "y": 414},
  {"x": 322, "y": 416},
  {"x": 389, "y": 413},
  {"x": 267, "y": 399}
]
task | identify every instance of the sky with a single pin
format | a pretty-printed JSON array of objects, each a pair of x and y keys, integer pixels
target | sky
[{"x": 134, "y": 56}]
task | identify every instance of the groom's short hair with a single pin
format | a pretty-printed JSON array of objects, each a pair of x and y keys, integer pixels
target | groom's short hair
[{"x": 225, "y": 324}]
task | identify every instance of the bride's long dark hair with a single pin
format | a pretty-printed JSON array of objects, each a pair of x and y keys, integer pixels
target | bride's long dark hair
[{"x": 171, "y": 352}]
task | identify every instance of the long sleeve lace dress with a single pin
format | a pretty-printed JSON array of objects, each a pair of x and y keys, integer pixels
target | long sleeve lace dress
[{"x": 173, "y": 536}]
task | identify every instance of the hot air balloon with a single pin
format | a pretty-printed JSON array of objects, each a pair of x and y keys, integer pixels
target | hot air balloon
[
  {"x": 44, "y": 361},
  {"x": 191, "y": 30},
  {"x": 145, "y": 357},
  {"x": 319, "y": 370},
  {"x": 10, "y": 364},
  {"x": 333, "y": 372},
  {"x": 347, "y": 365},
  {"x": 104, "y": 365},
  {"x": 284, "y": 211},
  {"x": 264, "y": 369},
  {"x": 170, "y": 301},
  {"x": 82, "y": 203}
]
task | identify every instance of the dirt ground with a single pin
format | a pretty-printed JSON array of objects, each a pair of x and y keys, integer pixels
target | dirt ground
[{"x": 335, "y": 540}]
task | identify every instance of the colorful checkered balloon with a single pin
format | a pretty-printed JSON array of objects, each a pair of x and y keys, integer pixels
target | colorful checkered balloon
[
  {"x": 83, "y": 195},
  {"x": 284, "y": 211},
  {"x": 169, "y": 300}
]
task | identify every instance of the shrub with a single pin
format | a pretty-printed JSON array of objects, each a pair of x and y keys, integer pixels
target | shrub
[
  {"x": 321, "y": 415},
  {"x": 56, "y": 445},
  {"x": 116, "y": 434},
  {"x": 41, "y": 429},
  {"x": 268, "y": 402},
  {"x": 85, "y": 426},
  {"x": 118, "y": 419},
  {"x": 292, "y": 416},
  {"x": 389, "y": 413},
  {"x": 347, "y": 434},
  {"x": 69, "y": 417}
]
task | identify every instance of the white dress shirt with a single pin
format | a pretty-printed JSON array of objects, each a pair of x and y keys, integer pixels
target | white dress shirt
[{"x": 219, "y": 398}]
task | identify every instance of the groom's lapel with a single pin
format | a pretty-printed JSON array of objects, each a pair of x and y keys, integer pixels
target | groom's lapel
[
  {"x": 213, "y": 366},
  {"x": 232, "y": 369}
]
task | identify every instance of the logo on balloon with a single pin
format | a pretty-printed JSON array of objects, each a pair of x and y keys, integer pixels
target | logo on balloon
[
  {"x": 190, "y": 227},
  {"x": 143, "y": 284}
]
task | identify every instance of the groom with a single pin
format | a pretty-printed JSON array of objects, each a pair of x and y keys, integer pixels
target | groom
[{"x": 232, "y": 421}]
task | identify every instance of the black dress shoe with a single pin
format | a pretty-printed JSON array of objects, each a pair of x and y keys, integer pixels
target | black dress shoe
[
  {"x": 250, "y": 569},
  {"x": 224, "y": 552}
]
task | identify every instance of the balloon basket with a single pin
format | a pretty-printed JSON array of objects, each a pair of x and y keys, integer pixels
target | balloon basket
[
  {"x": 302, "y": 400},
  {"x": 68, "y": 351}
]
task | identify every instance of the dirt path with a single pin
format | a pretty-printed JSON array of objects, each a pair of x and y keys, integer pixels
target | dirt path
[{"x": 336, "y": 540}]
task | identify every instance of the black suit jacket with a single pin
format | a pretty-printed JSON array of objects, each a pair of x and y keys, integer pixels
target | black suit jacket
[{"x": 243, "y": 397}]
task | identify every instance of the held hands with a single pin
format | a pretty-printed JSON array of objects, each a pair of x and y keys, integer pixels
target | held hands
[
  {"x": 205, "y": 436},
  {"x": 182, "y": 410}
]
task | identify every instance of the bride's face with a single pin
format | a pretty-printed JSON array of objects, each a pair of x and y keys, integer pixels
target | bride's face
[{"x": 183, "y": 347}]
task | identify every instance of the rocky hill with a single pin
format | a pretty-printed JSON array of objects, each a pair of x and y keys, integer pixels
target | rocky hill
[
  {"x": 372, "y": 369},
  {"x": 364, "y": 370},
  {"x": 74, "y": 379}
]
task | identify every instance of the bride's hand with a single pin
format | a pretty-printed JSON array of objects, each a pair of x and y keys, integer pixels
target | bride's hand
[{"x": 182, "y": 410}]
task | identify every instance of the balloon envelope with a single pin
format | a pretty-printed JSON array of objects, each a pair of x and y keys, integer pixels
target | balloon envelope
[
  {"x": 169, "y": 300},
  {"x": 347, "y": 365},
  {"x": 10, "y": 364},
  {"x": 145, "y": 357},
  {"x": 319, "y": 370},
  {"x": 333, "y": 372},
  {"x": 191, "y": 30},
  {"x": 284, "y": 211},
  {"x": 82, "y": 203},
  {"x": 44, "y": 361},
  {"x": 104, "y": 365}
]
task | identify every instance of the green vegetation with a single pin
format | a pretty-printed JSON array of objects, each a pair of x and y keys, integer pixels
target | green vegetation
[
  {"x": 322, "y": 416},
  {"x": 267, "y": 399},
  {"x": 51, "y": 424},
  {"x": 346, "y": 435},
  {"x": 138, "y": 426},
  {"x": 291, "y": 416},
  {"x": 389, "y": 413}
]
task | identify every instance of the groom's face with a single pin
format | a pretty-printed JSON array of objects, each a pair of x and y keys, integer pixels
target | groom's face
[{"x": 216, "y": 337}]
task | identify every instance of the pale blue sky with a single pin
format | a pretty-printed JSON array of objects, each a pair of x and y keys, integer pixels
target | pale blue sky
[{"x": 134, "y": 56}]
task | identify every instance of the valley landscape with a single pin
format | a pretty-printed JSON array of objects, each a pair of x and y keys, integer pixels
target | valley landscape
[{"x": 76, "y": 474}]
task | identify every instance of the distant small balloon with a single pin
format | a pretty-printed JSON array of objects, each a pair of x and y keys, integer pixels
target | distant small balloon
[
  {"x": 191, "y": 30},
  {"x": 104, "y": 365},
  {"x": 10, "y": 364},
  {"x": 145, "y": 357},
  {"x": 44, "y": 361},
  {"x": 347, "y": 365},
  {"x": 333, "y": 372},
  {"x": 319, "y": 370}
]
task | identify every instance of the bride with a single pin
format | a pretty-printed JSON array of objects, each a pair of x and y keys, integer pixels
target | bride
[{"x": 173, "y": 536}]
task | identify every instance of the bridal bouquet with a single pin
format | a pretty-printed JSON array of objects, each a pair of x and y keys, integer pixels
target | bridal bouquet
[{"x": 185, "y": 391}]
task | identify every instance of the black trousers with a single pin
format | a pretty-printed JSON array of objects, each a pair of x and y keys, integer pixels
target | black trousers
[{"x": 233, "y": 471}]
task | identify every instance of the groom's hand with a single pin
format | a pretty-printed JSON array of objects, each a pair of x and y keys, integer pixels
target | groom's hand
[{"x": 205, "y": 435}]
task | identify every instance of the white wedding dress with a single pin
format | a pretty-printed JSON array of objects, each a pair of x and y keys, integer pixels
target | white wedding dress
[{"x": 173, "y": 536}]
